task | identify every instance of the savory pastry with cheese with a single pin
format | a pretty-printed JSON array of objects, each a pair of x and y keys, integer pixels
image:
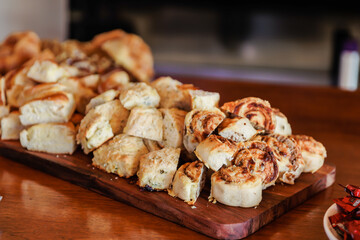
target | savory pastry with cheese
[
  {"x": 11, "y": 126},
  {"x": 104, "y": 97},
  {"x": 288, "y": 155},
  {"x": 173, "y": 127},
  {"x": 201, "y": 99},
  {"x": 152, "y": 145},
  {"x": 121, "y": 155},
  {"x": 173, "y": 94},
  {"x": 46, "y": 71},
  {"x": 235, "y": 186},
  {"x": 258, "y": 159},
  {"x": 282, "y": 125},
  {"x": 312, "y": 151},
  {"x": 56, "y": 138},
  {"x": 100, "y": 124},
  {"x": 157, "y": 168},
  {"x": 216, "y": 151},
  {"x": 238, "y": 129},
  {"x": 56, "y": 107},
  {"x": 116, "y": 79},
  {"x": 188, "y": 182},
  {"x": 199, "y": 124},
  {"x": 145, "y": 123},
  {"x": 140, "y": 95},
  {"x": 258, "y": 111}
]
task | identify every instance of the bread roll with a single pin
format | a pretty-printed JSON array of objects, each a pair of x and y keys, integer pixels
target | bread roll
[
  {"x": 56, "y": 138},
  {"x": 204, "y": 100},
  {"x": 312, "y": 151},
  {"x": 121, "y": 155},
  {"x": 216, "y": 151},
  {"x": 188, "y": 182},
  {"x": 199, "y": 124},
  {"x": 173, "y": 127},
  {"x": 258, "y": 111},
  {"x": 282, "y": 125},
  {"x": 46, "y": 71},
  {"x": 233, "y": 186},
  {"x": 237, "y": 129},
  {"x": 157, "y": 168},
  {"x": 11, "y": 126},
  {"x": 140, "y": 95},
  {"x": 145, "y": 123}
]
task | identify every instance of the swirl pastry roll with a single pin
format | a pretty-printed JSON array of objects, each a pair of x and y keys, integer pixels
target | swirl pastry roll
[
  {"x": 235, "y": 186},
  {"x": 258, "y": 159},
  {"x": 188, "y": 182},
  {"x": 238, "y": 129},
  {"x": 282, "y": 125},
  {"x": 312, "y": 151},
  {"x": 199, "y": 124},
  {"x": 258, "y": 111},
  {"x": 216, "y": 151},
  {"x": 288, "y": 155}
]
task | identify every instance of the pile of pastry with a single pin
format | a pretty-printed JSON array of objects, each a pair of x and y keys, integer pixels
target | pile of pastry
[{"x": 174, "y": 137}]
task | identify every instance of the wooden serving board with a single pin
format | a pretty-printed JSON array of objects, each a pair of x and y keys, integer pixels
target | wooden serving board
[{"x": 214, "y": 220}]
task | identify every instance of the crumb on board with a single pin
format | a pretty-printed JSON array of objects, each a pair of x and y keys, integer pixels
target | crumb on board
[
  {"x": 193, "y": 207},
  {"x": 1, "y": 197}
]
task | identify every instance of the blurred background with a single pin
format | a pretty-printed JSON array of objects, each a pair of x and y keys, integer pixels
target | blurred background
[{"x": 265, "y": 42}]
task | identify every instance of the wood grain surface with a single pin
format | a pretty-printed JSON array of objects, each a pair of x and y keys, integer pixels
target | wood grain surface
[{"x": 36, "y": 205}]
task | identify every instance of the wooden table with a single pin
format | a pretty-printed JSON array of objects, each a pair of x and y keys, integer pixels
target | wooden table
[{"x": 38, "y": 206}]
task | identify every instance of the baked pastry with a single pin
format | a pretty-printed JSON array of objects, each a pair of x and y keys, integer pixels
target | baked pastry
[
  {"x": 11, "y": 126},
  {"x": 145, "y": 123},
  {"x": 157, "y": 169},
  {"x": 140, "y": 95},
  {"x": 56, "y": 138},
  {"x": 236, "y": 187},
  {"x": 90, "y": 81},
  {"x": 4, "y": 111},
  {"x": 288, "y": 155},
  {"x": 173, "y": 127},
  {"x": 258, "y": 159},
  {"x": 104, "y": 97},
  {"x": 258, "y": 111},
  {"x": 282, "y": 125},
  {"x": 128, "y": 51},
  {"x": 40, "y": 91},
  {"x": 115, "y": 79},
  {"x": 152, "y": 145},
  {"x": 121, "y": 155},
  {"x": 2, "y": 91},
  {"x": 17, "y": 48},
  {"x": 216, "y": 151},
  {"x": 46, "y": 71},
  {"x": 173, "y": 94},
  {"x": 238, "y": 129},
  {"x": 312, "y": 151},
  {"x": 201, "y": 99},
  {"x": 188, "y": 182},
  {"x": 100, "y": 124},
  {"x": 56, "y": 107},
  {"x": 199, "y": 124}
]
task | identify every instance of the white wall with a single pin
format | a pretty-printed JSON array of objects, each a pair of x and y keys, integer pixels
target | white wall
[{"x": 48, "y": 18}]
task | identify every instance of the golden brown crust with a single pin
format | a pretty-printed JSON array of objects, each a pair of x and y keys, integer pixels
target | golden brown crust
[
  {"x": 115, "y": 79},
  {"x": 234, "y": 174},
  {"x": 309, "y": 144}
]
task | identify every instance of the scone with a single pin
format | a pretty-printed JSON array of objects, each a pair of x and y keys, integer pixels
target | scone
[
  {"x": 173, "y": 127},
  {"x": 258, "y": 158},
  {"x": 157, "y": 168},
  {"x": 172, "y": 93},
  {"x": 100, "y": 124},
  {"x": 233, "y": 186},
  {"x": 188, "y": 182},
  {"x": 121, "y": 155},
  {"x": 56, "y": 138},
  {"x": 258, "y": 111},
  {"x": 312, "y": 151},
  {"x": 152, "y": 145},
  {"x": 199, "y": 124},
  {"x": 104, "y": 97},
  {"x": 46, "y": 71},
  {"x": 11, "y": 126},
  {"x": 145, "y": 123},
  {"x": 57, "y": 108},
  {"x": 282, "y": 125},
  {"x": 204, "y": 100},
  {"x": 116, "y": 79},
  {"x": 237, "y": 129},
  {"x": 140, "y": 95},
  {"x": 216, "y": 151}
]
